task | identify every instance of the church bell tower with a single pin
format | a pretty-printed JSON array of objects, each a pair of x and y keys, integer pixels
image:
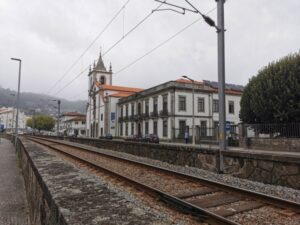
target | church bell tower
[{"x": 99, "y": 73}]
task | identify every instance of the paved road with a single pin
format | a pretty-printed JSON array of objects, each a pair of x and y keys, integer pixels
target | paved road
[{"x": 13, "y": 205}]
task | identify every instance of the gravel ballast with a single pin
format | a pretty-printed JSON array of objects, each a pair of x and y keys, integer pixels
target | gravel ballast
[{"x": 277, "y": 191}]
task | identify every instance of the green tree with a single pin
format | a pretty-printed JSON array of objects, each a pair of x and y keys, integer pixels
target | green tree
[
  {"x": 41, "y": 122},
  {"x": 273, "y": 96}
]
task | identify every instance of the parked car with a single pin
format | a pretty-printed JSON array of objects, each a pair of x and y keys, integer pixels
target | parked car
[
  {"x": 148, "y": 138},
  {"x": 153, "y": 138},
  {"x": 136, "y": 138},
  {"x": 107, "y": 136}
]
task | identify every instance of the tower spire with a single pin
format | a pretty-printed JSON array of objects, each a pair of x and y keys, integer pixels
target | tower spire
[
  {"x": 100, "y": 64},
  {"x": 110, "y": 68}
]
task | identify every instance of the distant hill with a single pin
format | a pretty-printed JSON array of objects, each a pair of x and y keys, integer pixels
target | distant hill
[{"x": 40, "y": 102}]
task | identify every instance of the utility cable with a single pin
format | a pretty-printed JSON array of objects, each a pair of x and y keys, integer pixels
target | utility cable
[
  {"x": 114, "y": 45},
  {"x": 161, "y": 44},
  {"x": 89, "y": 46},
  {"x": 131, "y": 30}
]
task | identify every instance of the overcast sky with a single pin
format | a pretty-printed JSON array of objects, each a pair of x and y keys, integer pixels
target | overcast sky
[{"x": 50, "y": 35}]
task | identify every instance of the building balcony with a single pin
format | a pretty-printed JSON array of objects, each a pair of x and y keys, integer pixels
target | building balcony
[
  {"x": 145, "y": 115},
  {"x": 137, "y": 117},
  {"x": 164, "y": 113},
  {"x": 126, "y": 118},
  {"x": 121, "y": 119},
  {"x": 154, "y": 114}
]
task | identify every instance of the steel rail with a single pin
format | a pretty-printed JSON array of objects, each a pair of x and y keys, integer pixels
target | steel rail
[{"x": 275, "y": 201}]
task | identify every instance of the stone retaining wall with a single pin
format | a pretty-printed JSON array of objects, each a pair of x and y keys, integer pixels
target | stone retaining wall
[
  {"x": 266, "y": 168},
  {"x": 42, "y": 209},
  {"x": 276, "y": 144}
]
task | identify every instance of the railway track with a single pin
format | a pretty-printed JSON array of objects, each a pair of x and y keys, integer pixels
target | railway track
[{"x": 211, "y": 202}]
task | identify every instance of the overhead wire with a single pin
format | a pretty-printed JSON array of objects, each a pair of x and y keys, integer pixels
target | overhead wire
[
  {"x": 131, "y": 30},
  {"x": 110, "y": 48},
  {"x": 161, "y": 44},
  {"x": 89, "y": 46}
]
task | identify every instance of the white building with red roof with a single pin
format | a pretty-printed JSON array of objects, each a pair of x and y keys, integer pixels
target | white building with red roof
[
  {"x": 164, "y": 110},
  {"x": 72, "y": 123},
  {"x": 102, "y": 100},
  {"x": 8, "y": 118}
]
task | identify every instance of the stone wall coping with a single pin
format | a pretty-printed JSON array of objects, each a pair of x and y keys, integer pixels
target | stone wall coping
[
  {"x": 287, "y": 157},
  {"x": 237, "y": 152},
  {"x": 156, "y": 146}
]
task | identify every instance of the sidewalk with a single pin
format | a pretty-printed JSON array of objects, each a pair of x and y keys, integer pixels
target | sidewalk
[{"x": 13, "y": 204}]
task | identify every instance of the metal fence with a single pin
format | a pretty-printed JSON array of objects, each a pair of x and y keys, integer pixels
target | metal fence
[
  {"x": 286, "y": 130},
  {"x": 208, "y": 135}
]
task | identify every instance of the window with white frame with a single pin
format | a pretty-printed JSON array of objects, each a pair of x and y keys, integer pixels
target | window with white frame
[
  {"x": 126, "y": 129},
  {"x": 132, "y": 128},
  {"x": 182, "y": 103},
  {"x": 165, "y": 128},
  {"x": 146, "y": 127},
  {"x": 155, "y": 127},
  {"x": 231, "y": 107},
  {"x": 201, "y": 105},
  {"x": 215, "y": 105},
  {"x": 147, "y": 107},
  {"x": 165, "y": 103},
  {"x": 155, "y": 100},
  {"x": 126, "y": 110},
  {"x": 132, "y": 109},
  {"x": 121, "y": 129}
]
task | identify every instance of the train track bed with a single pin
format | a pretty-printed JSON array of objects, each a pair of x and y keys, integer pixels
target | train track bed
[
  {"x": 85, "y": 198},
  {"x": 235, "y": 205}
]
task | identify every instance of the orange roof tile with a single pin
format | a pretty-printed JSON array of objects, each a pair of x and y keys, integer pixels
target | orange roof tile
[
  {"x": 186, "y": 81},
  {"x": 5, "y": 110},
  {"x": 230, "y": 92},
  {"x": 118, "y": 88},
  {"x": 73, "y": 114},
  {"x": 76, "y": 119},
  {"x": 121, "y": 94}
]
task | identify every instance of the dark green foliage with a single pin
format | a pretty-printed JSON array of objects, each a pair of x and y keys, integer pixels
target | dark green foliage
[
  {"x": 41, "y": 122},
  {"x": 273, "y": 96}
]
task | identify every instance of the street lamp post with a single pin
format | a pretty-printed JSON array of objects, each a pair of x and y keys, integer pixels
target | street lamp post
[
  {"x": 18, "y": 95},
  {"x": 193, "y": 108}
]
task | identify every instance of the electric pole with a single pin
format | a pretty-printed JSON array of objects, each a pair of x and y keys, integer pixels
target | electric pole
[
  {"x": 221, "y": 66},
  {"x": 58, "y": 116},
  {"x": 221, "y": 83}
]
